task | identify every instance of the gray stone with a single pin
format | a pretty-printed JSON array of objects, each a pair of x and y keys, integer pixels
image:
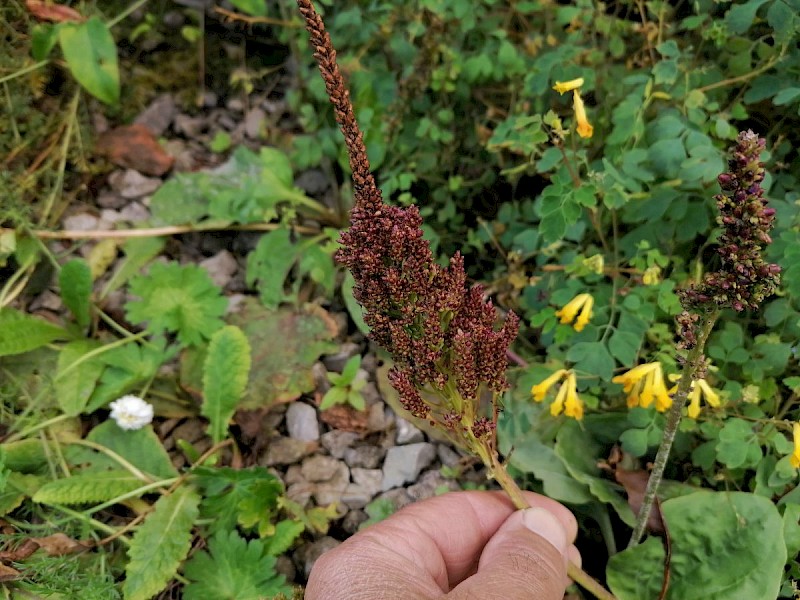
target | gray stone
[
  {"x": 314, "y": 550},
  {"x": 368, "y": 457},
  {"x": 337, "y": 442},
  {"x": 356, "y": 496},
  {"x": 293, "y": 475},
  {"x": 253, "y": 122},
  {"x": 301, "y": 422},
  {"x": 191, "y": 127},
  {"x": 81, "y": 222},
  {"x": 47, "y": 300},
  {"x": 353, "y": 519},
  {"x": 235, "y": 104},
  {"x": 448, "y": 456},
  {"x": 407, "y": 433},
  {"x": 221, "y": 267},
  {"x": 320, "y": 375},
  {"x": 284, "y": 566},
  {"x": 132, "y": 184},
  {"x": 158, "y": 116},
  {"x": 330, "y": 493},
  {"x": 370, "y": 479},
  {"x": 430, "y": 484},
  {"x": 336, "y": 362},
  {"x": 398, "y": 497},
  {"x": 110, "y": 216},
  {"x": 300, "y": 492},
  {"x": 110, "y": 200},
  {"x": 320, "y": 468},
  {"x": 403, "y": 464},
  {"x": 286, "y": 451},
  {"x": 210, "y": 99},
  {"x": 376, "y": 417},
  {"x": 134, "y": 213}
]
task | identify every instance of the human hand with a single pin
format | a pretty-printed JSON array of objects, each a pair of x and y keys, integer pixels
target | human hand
[{"x": 462, "y": 545}]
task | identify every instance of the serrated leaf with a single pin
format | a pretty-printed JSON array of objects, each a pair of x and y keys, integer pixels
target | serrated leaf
[
  {"x": 89, "y": 487},
  {"x": 22, "y": 333},
  {"x": 286, "y": 532},
  {"x": 181, "y": 299},
  {"x": 91, "y": 56},
  {"x": 269, "y": 264},
  {"x": 244, "y": 497},
  {"x": 138, "y": 252},
  {"x": 75, "y": 280},
  {"x": 76, "y": 377},
  {"x": 225, "y": 374},
  {"x": 160, "y": 544},
  {"x": 233, "y": 569}
]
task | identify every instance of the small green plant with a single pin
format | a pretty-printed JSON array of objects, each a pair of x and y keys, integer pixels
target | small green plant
[{"x": 347, "y": 386}]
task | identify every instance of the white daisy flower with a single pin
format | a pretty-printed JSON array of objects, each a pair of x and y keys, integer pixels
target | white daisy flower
[{"x": 131, "y": 412}]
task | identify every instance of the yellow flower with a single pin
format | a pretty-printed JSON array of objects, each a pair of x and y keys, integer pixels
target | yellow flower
[
  {"x": 700, "y": 388},
  {"x": 568, "y": 86},
  {"x": 573, "y": 405},
  {"x": 539, "y": 390},
  {"x": 584, "y": 128},
  {"x": 558, "y": 404},
  {"x": 651, "y": 275},
  {"x": 581, "y": 302},
  {"x": 794, "y": 459},
  {"x": 643, "y": 384}
]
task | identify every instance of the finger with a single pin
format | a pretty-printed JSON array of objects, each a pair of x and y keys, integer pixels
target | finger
[{"x": 526, "y": 558}]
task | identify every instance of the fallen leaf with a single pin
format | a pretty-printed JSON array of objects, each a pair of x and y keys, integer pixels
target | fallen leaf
[
  {"x": 59, "y": 544},
  {"x": 344, "y": 417},
  {"x": 135, "y": 147},
  {"x": 57, "y": 13},
  {"x": 8, "y": 573},
  {"x": 635, "y": 483}
]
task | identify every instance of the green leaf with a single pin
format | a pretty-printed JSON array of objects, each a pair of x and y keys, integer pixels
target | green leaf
[
  {"x": 43, "y": 37},
  {"x": 286, "y": 532},
  {"x": 138, "y": 252},
  {"x": 791, "y": 529},
  {"x": 160, "y": 544},
  {"x": 334, "y": 396},
  {"x": 77, "y": 377},
  {"x": 353, "y": 307},
  {"x": 269, "y": 264},
  {"x": 89, "y": 487},
  {"x": 740, "y": 16},
  {"x": 726, "y": 545},
  {"x": 244, "y": 497},
  {"x": 182, "y": 299},
  {"x": 233, "y": 569},
  {"x": 592, "y": 358},
  {"x": 225, "y": 373},
  {"x": 22, "y": 333},
  {"x": 75, "y": 280},
  {"x": 635, "y": 441},
  {"x": 140, "y": 447},
  {"x": 91, "y": 56}
]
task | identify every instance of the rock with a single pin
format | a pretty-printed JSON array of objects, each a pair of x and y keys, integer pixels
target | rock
[
  {"x": 110, "y": 200},
  {"x": 235, "y": 104},
  {"x": 311, "y": 552},
  {"x": 356, "y": 496},
  {"x": 253, "y": 123},
  {"x": 370, "y": 479},
  {"x": 330, "y": 493},
  {"x": 221, "y": 267},
  {"x": 132, "y": 184},
  {"x": 47, "y": 300},
  {"x": 185, "y": 158},
  {"x": 337, "y": 442},
  {"x": 174, "y": 19},
  {"x": 293, "y": 475},
  {"x": 158, "y": 116},
  {"x": 368, "y": 457},
  {"x": 285, "y": 451},
  {"x": 191, "y": 127},
  {"x": 407, "y": 433},
  {"x": 134, "y": 213},
  {"x": 403, "y": 464},
  {"x": 285, "y": 566},
  {"x": 325, "y": 468},
  {"x": 353, "y": 519},
  {"x": 210, "y": 99},
  {"x": 430, "y": 484},
  {"x": 110, "y": 216},
  {"x": 312, "y": 182},
  {"x": 336, "y": 362},
  {"x": 377, "y": 419},
  {"x": 320, "y": 375},
  {"x": 447, "y": 455},
  {"x": 398, "y": 497},
  {"x": 301, "y": 422},
  {"x": 81, "y": 222},
  {"x": 300, "y": 492}
]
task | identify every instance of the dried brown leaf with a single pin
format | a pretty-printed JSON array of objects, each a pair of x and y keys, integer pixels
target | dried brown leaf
[
  {"x": 57, "y": 13},
  {"x": 135, "y": 147}
]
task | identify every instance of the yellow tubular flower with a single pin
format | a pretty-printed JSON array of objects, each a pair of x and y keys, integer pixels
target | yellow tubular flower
[
  {"x": 794, "y": 459},
  {"x": 581, "y": 302},
  {"x": 712, "y": 398},
  {"x": 573, "y": 405},
  {"x": 567, "y": 86},
  {"x": 663, "y": 400},
  {"x": 694, "y": 402},
  {"x": 584, "y": 128},
  {"x": 558, "y": 404},
  {"x": 643, "y": 384},
  {"x": 636, "y": 374},
  {"x": 539, "y": 390},
  {"x": 700, "y": 388}
]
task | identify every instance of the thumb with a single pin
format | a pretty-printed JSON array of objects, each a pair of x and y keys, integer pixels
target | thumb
[{"x": 526, "y": 558}]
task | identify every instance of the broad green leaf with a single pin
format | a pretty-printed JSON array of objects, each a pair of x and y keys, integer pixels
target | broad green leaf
[
  {"x": 791, "y": 529},
  {"x": 233, "y": 568},
  {"x": 257, "y": 8},
  {"x": 75, "y": 280},
  {"x": 76, "y": 377},
  {"x": 89, "y": 487},
  {"x": 741, "y": 15},
  {"x": 225, "y": 374},
  {"x": 269, "y": 264},
  {"x": 43, "y": 37},
  {"x": 725, "y": 545},
  {"x": 91, "y": 55},
  {"x": 22, "y": 333},
  {"x": 140, "y": 447},
  {"x": 592, "y": 358},
  {"x": 160, "y": 544}
]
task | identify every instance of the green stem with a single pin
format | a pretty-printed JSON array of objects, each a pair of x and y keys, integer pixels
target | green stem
[{"x": 694, "y": 361}]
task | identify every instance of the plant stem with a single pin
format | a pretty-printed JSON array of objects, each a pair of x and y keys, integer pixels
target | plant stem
[
  {"x": 578, "y": 575},
  {"x": 694, "y": 361}
]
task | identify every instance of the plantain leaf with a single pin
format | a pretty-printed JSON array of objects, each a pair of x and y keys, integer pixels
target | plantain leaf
[
  {"x": 225, "y": 374},
  {"x": 91, "y": 56},
  {"x": 75, "y": 381},
  {"x": 22, "y": 333},
  {"x": 91, "y": 487},
  {"x": 161, "y": 543},
  {"x": 75, "y": 280}
]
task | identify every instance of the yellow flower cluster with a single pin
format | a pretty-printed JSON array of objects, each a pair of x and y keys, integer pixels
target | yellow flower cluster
[
  {"x": 643, "y": 384},
  {"x": 567, "y": 399},
  {"x": 582, "y": 303},
  {"x": 584, "y": 128},
  {"x": 794, "y": 459},
  {"x": 700, "y": 388}
]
